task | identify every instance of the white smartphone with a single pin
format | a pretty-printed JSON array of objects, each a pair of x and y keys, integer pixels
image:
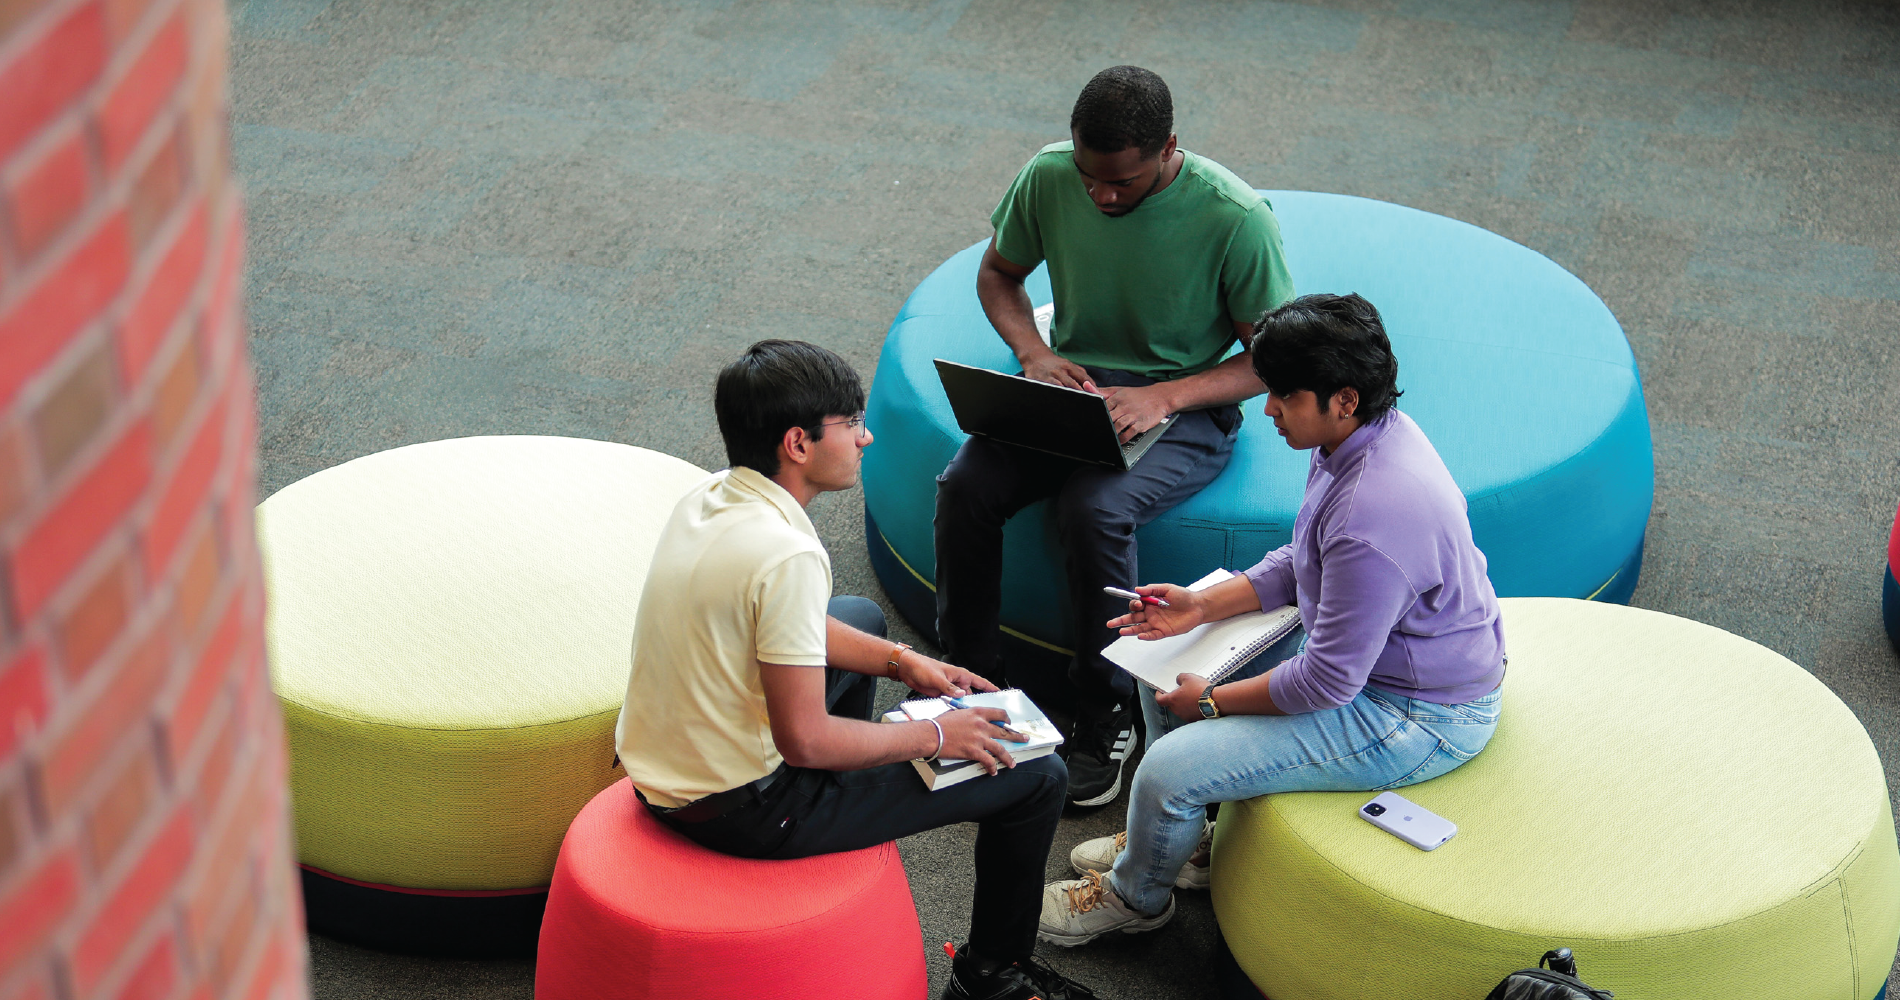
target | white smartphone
[{"x": 1408, "y": 821}]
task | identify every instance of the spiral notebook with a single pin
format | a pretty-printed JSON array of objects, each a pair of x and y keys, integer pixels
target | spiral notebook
[{"x": 1212, "y": 650}]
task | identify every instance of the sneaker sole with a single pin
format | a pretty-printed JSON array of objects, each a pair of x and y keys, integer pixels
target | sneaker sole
[
  {"x": 1105, "y": 798},
  {"x": 1132, "y": 927}
]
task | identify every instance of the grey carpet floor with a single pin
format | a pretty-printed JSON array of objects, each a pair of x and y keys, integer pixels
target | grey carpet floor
[{"x": 474, "y": 217}]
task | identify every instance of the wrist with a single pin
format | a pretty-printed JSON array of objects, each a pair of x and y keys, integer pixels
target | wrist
[{"x": 894, "y": 662}]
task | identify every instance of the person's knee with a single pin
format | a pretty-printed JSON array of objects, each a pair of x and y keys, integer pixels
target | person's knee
[
  {"x": 971, "y": 486},
  {"x": 1084, "y": 514},
  {"x": 1052, "y": 780},
  {"x": 860, "y": 613}
]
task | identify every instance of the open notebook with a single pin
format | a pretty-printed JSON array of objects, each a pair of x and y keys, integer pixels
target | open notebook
[
  {"x": 1212, "y": 650},
  {"x": 1024, "y": 718}
]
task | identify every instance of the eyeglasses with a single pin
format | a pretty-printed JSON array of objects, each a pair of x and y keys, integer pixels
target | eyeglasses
[{"x": 855, "y": 422}]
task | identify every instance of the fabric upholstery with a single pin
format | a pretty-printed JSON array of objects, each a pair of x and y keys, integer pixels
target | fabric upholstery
[
  {"x": 448, "y": 628},
  {"x": 1693, "y": 814},
  {"x": 1517, "y": 372},
  {"x": 637, "y": 911}
]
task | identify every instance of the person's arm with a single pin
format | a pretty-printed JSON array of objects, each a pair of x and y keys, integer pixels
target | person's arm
[
  {"x": 999, "y": 286},
  {"x": 863, "y": 653},
  {"x": 1362, "y": 595},
  {"x": 1137, "y": 408},
  {"x": 1188, "y": 608},
  {"x": 808, "y": 736}
]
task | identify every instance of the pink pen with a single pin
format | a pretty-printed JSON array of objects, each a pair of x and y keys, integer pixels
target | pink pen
[{"x": 1129, "y": 595}]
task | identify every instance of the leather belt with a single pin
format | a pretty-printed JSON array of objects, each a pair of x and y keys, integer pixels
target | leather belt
[{"x": 718, "y": 803}]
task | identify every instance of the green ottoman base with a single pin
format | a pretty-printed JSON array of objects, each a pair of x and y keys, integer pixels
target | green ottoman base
[{"x": 1692, "y": 814}]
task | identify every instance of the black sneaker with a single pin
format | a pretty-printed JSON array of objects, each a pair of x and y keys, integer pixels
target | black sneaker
[
  {"x": 976, "y": 978},
  {"x": 1103, "y": 741}
]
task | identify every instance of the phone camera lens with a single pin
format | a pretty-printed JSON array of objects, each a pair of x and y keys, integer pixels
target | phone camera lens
[{"x": 1374, "y": 809}]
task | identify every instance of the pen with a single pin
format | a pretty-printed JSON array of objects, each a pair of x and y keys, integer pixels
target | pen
[
  {"x": 1130, "y": 595},
  {"x": 1015, "y": 737}
]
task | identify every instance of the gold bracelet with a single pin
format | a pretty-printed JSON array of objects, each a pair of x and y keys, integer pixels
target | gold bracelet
[{"x": 891, "y": 661}]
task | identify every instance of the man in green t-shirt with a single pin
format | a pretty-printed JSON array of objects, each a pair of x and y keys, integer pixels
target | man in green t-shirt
[{"x": 1160, "y": 260}]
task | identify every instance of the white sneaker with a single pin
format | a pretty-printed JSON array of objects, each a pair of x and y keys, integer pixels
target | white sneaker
[
  {"x": 1080, "y": 910},
  {"x": 1099, "y": 855}
]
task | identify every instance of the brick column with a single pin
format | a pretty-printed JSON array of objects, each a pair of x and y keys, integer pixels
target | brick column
[{"x": 144, "y": 844}]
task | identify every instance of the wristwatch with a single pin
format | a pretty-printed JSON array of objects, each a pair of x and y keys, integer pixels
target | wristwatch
[{"x": 1209, "y": 710}]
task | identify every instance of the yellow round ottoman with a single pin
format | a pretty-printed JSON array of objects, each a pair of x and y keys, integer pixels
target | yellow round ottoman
[
  {"x": 1693, "y": 814},
  {"x": 448, "y": 627}
]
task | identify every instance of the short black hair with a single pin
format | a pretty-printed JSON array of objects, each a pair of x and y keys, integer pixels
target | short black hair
[
  {"x": 1124, "y": 106},
  {"x": 1325, "y": 343},
  {"x": 777, "y": 385}
]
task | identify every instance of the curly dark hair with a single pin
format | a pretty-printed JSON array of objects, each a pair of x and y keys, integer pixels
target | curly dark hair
[
  {"x": 1325, "y": 343},
  {"x": 1124, "y": 106}
]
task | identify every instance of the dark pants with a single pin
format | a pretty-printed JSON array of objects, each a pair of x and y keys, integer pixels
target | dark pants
[
  {"x": 808, "y": 811},
  {"x": 1097, "y": 512}
]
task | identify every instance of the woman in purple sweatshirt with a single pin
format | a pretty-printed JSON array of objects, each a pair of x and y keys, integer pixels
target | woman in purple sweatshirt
[{"x": 1394, "y": 678}]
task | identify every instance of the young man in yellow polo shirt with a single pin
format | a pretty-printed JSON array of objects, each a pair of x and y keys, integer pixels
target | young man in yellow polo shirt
[{"x": 747, "y": 725}]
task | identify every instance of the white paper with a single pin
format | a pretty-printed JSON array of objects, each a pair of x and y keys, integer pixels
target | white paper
[{"x": 1157, "y": 662}]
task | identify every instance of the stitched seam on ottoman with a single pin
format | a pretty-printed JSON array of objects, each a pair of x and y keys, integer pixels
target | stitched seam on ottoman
[{"x": 445, "y": 729}]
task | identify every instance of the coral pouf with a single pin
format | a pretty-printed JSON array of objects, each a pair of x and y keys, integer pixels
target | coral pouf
[{"x": 638, "y": 911}]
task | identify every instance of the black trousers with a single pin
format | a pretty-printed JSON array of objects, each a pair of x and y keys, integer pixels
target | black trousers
[
  {"x": 808, "y": 811},
  {"x": 1097, "y": 512}
]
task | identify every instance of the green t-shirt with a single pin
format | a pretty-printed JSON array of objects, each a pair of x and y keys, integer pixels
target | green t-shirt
[{"x": 1150, "y": 292}]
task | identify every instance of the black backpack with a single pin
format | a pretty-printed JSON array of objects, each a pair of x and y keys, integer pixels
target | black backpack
[{"x": 1558, "y": 982}]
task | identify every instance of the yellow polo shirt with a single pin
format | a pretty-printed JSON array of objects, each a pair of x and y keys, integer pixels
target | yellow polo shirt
[{"x": 739, "y": 577}]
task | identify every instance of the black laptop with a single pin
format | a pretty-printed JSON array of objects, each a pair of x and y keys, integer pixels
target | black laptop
[{"x": 1021, "y": 411}]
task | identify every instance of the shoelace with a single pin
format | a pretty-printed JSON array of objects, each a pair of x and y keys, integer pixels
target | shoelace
[{"x": 1087, "y": 894}]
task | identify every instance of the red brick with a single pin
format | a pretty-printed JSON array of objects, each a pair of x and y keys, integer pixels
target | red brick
[
  {"x": 133, "y": 901},
  {"x": 88, "y": 630},
  {"x": 177, "y": 391},
  {"x": 49, "y": 75},
  {"x": 22, "y": 699},
  {"x": 157, "y": 973},
  {"x": 124, "y": 803},
  {"x": 223, "y": 304},
  {"x": 11, "y": 817},
  {"x": 40, "y": 987},
  {"x": 36, "y": 904},
  {"x": 237, "y": 938},
  {"x": 12, "y": 12},
  {"x": 207, "y": 678},
  {"x": 117, "y": 714},
  {"x": 273, "y": 969},
  {"x": 16, "y": 479},
  {"x": 47, "y": 195},
  {"x": 73, "y": 413},
  {"x": 165, "y": 293},
  {"x": 146, "y": 86},
  {"x": 184, "y": 494},
  {"x": 33, "y": 333},
  {"x": 197, "y": 582},
  {"x": 123, "y": 16},
  {"x": 155, "y": 192},
  {"x": 70, "y": 531},
  {"x": 214, "y": 772}
]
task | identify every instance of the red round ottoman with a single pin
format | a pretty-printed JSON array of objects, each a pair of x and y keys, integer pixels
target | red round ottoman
[{"x": 638, "y": 911}]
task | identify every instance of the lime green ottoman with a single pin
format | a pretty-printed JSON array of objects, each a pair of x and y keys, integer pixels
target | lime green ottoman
[
  {"x": 1693, "y": 814},
  {"x": 448, "y": 629}
]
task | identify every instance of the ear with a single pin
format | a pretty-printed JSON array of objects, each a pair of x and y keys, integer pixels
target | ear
[
  {"x": 1167, "y": 148},
  {"x": 1346, "y": 402},
  {"x": 795, "y": 447}
]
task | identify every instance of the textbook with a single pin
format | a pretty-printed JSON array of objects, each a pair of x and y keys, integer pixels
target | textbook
[
  {"x": 1024, "y": 717},
  {"x": 1212, "y": 649}
]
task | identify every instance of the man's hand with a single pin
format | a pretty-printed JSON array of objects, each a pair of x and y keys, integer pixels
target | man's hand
[
  {"x": 973, "y": 734},
  {"x": 1047, "y": 366},
  {"x": 1186, "y": 609},
  {"x": 1185, "y": 700},
  {"x": 1136, "y": 408},
  {"x": 934, "y": 677}
]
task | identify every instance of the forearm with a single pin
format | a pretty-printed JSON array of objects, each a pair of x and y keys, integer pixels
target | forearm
[
  {"x": 859, "y": 652},
  {"x": 841, "y": 744},
  {"x": 1006, "y": 303},
  {"x": 1231, "y": 381},
  {"x": 1249, "y": 697},
  {"x": 1230, "y": 597}
]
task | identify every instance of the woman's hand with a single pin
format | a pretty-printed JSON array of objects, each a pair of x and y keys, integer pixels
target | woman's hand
[
  {"x": 1185, "y": 700},
  {"x": 1186, "y": 609}
]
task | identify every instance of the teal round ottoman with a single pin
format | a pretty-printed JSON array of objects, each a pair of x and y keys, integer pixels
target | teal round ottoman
[{"x": 1516, "y": 370}]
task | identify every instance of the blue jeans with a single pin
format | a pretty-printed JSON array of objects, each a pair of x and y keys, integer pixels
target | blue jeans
[{"x": 1378, "y": 740}]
